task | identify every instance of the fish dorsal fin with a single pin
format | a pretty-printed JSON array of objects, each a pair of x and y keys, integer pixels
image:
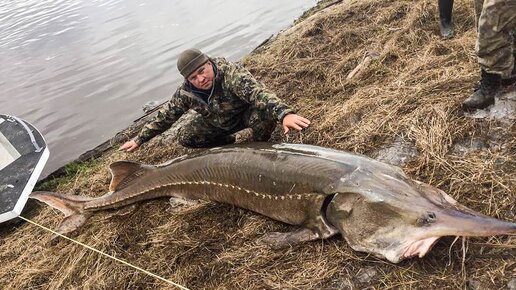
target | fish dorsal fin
[{"x": 124, "y": 172}]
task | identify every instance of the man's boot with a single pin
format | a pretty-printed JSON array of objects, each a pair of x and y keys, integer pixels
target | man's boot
[
  {"x": 485, "y": 93},
  {"x": 445, "y": 18}
]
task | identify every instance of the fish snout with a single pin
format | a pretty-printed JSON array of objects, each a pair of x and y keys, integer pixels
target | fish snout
[{"x": 455, "y": 222}]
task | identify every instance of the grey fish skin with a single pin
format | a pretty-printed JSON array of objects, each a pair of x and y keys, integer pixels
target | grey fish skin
[{"x": 375, "y": 206}]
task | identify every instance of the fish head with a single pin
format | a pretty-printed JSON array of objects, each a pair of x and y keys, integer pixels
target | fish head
[{"x": 399, "y": 218}]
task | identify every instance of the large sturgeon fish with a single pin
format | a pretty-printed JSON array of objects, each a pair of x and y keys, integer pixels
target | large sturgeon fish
[{"x": 375, "y": 206}]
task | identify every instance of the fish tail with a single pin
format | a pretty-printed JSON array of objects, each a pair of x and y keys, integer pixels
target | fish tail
[
  {"x": 70, "y": 205},
  {"x": 66, "y": 203}
]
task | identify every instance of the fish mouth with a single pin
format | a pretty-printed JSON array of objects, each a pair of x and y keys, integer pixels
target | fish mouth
[{"x": 420, "y": 247}]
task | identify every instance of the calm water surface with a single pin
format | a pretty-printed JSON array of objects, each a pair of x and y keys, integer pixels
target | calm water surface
[{"x": 80, "y": 70}]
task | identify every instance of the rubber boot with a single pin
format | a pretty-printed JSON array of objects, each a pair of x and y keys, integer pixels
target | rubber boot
[
  {"x": 485, "y": 93},
  {"x": 445, "y": 18}
]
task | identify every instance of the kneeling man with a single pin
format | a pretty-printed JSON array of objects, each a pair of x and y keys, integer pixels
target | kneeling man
[{"x": 231, "y": 105}]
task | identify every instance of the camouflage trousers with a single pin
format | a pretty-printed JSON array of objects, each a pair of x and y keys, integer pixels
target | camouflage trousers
[
  {"x": 496, "y": 28},
  {"x": 199, "y": 133}
]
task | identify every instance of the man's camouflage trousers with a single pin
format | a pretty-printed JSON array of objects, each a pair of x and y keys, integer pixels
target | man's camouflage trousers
[
  {"x": 496, "y": 43},
  {"x": 198, "y": 133}
]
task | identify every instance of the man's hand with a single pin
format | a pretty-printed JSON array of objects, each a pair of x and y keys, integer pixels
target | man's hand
[
  {"x": 295, "y": 122},
  {"x": 129, "y": 146}
]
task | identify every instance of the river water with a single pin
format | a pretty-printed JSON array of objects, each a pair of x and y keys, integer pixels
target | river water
[{"x": 80, "y": 70}]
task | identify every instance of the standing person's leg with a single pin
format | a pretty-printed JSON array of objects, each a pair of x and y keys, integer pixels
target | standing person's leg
[
  {"x": 445, "y": 17},
  {"x": 495, "y": 43},
  {"x": 510, "y": 80},
  {"x": 478, "y": 10},
  {"x": 514, "y": 42},
  {"x": 200, "y": 134},
  {"x": 494, "y": 50},
  {"x": 514, "y": 51}
]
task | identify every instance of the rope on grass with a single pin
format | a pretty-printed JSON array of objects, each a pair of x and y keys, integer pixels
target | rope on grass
[{"x": 107, "y": 255}]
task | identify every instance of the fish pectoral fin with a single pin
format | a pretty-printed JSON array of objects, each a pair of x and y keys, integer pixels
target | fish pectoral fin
[
  {"x": 123, "y": 172},
  {"x": 278, "y": 240}
]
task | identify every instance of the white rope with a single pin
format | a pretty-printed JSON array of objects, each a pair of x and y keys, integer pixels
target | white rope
[{"x": 104, "y": 254}]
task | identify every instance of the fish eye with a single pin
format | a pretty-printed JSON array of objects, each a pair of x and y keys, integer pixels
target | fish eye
[{"x": 426, "y": 219}]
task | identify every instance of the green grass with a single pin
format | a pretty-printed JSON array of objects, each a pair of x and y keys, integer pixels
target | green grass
[{"x": 70, "y": 172}]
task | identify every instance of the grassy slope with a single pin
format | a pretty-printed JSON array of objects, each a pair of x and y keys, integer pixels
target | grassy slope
[{"x": 413, "y": 92}]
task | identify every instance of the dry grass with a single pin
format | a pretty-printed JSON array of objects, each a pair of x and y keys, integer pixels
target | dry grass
[{"x": 413, "y": 92}]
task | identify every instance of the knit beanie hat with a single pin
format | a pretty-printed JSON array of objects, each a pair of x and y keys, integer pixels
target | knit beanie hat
[{"x": 189, "y": 60}]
